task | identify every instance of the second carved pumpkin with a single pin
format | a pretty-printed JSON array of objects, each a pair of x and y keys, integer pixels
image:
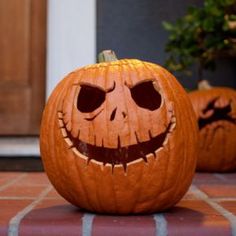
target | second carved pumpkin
[
  {"x": 216, "y": 114},
  {"x": 120, "y": 137}
]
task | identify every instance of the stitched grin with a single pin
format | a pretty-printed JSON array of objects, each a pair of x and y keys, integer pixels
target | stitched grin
[{"x": 119, "y": 155}]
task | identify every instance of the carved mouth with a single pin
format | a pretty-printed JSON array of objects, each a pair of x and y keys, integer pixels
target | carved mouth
[
  {"x": 220, "y": 114},
  {"x": 119, "y": 155}
]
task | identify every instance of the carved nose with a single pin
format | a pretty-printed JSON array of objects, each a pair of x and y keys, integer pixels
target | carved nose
[
  {"x": 124, "y": 114},
  {"x": 113, "y": 114}
]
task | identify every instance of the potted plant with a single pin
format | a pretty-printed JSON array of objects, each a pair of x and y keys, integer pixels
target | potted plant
[{"x": 201, "y": 37}]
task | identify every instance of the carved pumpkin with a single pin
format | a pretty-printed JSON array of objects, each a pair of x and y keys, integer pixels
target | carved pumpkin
[
  {"x": 216, "y": 113},
  {"x": 120, "y": 137}
]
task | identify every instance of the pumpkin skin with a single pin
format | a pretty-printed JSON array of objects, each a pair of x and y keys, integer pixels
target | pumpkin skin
[
  {"x": 106, "y": 150},
  {"x": 215, "y": 109}
]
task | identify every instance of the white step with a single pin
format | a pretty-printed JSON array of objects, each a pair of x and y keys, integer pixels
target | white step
[{"x": 19, "y": 146}]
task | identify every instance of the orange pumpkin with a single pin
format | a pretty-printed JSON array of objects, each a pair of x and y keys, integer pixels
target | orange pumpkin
[
  {"x": 216, "y": 113},
  {"x": 120, "y": 137}
]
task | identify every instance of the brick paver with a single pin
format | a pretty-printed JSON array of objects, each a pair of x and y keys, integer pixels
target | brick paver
[{"x": 30, "y": 206}]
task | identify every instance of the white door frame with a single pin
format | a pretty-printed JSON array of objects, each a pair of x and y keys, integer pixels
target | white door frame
[{"x": 71, "y": 38}]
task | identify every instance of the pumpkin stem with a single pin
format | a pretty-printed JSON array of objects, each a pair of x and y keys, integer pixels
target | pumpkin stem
[
  {"x": 107, "y": 56},
  {"x": 204, "y": 85}
]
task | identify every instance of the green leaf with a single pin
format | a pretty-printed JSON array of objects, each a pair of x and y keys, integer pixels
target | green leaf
[
  {"x": 232, "y": 17},
  {"x": 167, "y": 25},
  {"x": 208, "y": 24},
  {"x": 200, "y": 35}
]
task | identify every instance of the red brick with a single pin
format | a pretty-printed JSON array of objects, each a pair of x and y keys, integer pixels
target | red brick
[
  {"x": 55, "y": 216},
  {"x": 9, "y": 208},
  {"x": 52, "y": 218},
  {"x": 22, "y": 191},
  {"x": 9, "y": 174},
  {"x": 196, "y": 218},
  {"x": 230, "y": 177},
  {"x": 219, "y": 190},
  {"x": 229, "y": 205},
  {"x": 53, "y": 194},
  {"x": 6, "y": 177},
  {"x": 39, "y": 178},
  {"x": 123, "y": 225}
]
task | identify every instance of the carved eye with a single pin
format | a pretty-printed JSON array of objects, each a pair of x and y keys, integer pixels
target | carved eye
[
  {"x": 90, "y": 98},
  {"x": 210, "y": 105},
  {"x": 146, "y": 96}
]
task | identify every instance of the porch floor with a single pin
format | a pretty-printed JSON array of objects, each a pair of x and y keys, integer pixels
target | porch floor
[{"x": 30, "y": 206}]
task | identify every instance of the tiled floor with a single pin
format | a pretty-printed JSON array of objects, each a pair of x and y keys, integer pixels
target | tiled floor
[{"x": 30, "y": 206}]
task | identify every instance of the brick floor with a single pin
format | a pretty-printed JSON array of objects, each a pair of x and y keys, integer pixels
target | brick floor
[{"x": 29, "y": 206}]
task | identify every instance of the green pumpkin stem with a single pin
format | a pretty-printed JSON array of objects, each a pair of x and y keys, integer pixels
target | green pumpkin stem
[{"x": 107, "y": 56}]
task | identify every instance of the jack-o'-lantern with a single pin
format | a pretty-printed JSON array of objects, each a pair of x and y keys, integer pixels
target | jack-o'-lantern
[
  {"x": 119, "y": 137},
  {"x": 215, "y": 108}
]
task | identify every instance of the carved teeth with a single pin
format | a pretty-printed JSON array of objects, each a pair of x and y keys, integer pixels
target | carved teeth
[
  {"x": 150, "y": 134},
  {"x": 159, "y": 150},
  {"x": 61, "y": 124},
  {"x": 64, "y": 133},
  {"x": 68, "y": 126},
  {"x": 118, "y": 166},
  {"x": 108, "y": 165},
  {"x": 60, "y": 115},
  {"x": 84, "y": 153},
  {"x": 97, "y": 163},
  {"x": 74, "y": 149},
  {"x": 76, "y": 152},
  {"x": 172, "y": 127},
  {"x": 165, "y": 141},
  {"x": 68, "y": 141},
  {"x": 135, "y": 161},
  {"x": 150, "y": 156},
  {"x": 137, "y": 139},
  {"x": 173, "y": 119}
]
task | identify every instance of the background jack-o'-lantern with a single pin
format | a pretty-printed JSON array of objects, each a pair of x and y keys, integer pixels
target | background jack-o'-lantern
[
  {"x": 119, "y": 137},
  {"x": 216, "y": 113}
]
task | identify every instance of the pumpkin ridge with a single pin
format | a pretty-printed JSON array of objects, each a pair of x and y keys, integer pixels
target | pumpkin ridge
[
  {"x": 185, "y": 181},
  {"x": 165, "y": 187},
  {"x": 162, "y": 190},
  {"x": 193, "y": 121},
  {"x": 52, "y": 168},
  {"x": 140, "y": 120},
  {"x": 123, "y": 81},
  {"x": 78, "y": 173}
]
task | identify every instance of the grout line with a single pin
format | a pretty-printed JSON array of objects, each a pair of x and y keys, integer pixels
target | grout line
[
  {"x": 87, "y": 224},
  {"x": 35, "y": 185},
  {"x": 14, "y": 223},
  {"x": 220, "y": 177},
  {"x": 161, "y": 225},
  {"x": 11, "y": 182},
  {"x": 16, "y": 198},
  {"x": 227, "y": 214},
  {"x": 28, "y": 198},
  {"x": 219, "y": 199}
]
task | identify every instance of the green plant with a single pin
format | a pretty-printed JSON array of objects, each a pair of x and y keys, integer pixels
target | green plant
[{"x": 201, "y": 36}]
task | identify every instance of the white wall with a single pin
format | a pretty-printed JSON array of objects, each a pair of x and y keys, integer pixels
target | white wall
[{"x": 71, "y": 38}]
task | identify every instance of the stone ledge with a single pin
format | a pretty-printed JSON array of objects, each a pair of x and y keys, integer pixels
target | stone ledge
[{"x": 30, "y": 206}]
